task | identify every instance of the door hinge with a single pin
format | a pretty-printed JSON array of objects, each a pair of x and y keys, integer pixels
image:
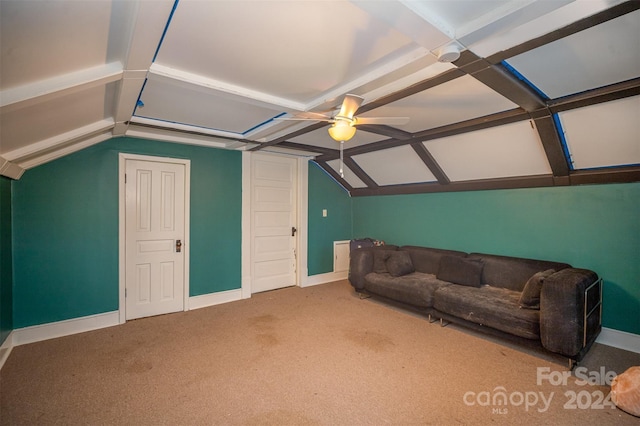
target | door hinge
[
  {"x": 125, "y": 178},
  {"x": 125, "y": 293}
]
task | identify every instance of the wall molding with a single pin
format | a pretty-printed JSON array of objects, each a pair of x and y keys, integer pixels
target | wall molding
[
  {"x": 211, "y": 299},
  {"x": 325, "y": 278},
  {"x": 22, "y": 336},
  {"x": 619, "y": 339},
  {"x": 37, "y": 333}
]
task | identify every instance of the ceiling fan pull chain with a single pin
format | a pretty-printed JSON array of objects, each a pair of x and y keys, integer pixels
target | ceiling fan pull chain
[{"x": 341, "y": 159}]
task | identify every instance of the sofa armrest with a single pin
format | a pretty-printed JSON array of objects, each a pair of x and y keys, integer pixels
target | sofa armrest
[
  {"x": 566, "y": 300},
  {"x": 360, "y": 264}
]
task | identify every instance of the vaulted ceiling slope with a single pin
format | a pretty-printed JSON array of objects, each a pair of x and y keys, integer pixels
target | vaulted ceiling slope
[{"x": 543, "y": 92}]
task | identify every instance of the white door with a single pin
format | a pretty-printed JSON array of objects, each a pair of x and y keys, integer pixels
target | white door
[
  {"x": 273, "y": 222},
  {"x": 155, "y": 237}
]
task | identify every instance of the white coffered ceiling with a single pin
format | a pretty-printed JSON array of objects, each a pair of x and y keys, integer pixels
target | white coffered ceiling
[{"x": 544, "y": 93}]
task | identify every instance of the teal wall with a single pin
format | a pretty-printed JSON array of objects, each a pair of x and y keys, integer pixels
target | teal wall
[
  {"x": 6, "y": 273},
  {"x": 595, "y": 227},
  {"x": 325, "y": 193},
  {"x": 65, "y": 229}
]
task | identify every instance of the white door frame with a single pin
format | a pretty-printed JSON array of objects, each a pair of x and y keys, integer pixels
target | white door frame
[
  {"x": 301, "y": 218},
  {"x": 122, "y": 159}
]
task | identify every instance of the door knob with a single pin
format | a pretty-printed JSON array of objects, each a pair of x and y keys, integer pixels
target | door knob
[
  {"x": 178, "y": 246},
  {"x": 293, "y": 231}
]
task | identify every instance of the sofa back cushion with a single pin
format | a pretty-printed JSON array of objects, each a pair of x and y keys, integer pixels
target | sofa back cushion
[
  {"x": 426, "y": 259},
  {"x": 512, "y": 272},
  {"x": 460, "y": 270}
]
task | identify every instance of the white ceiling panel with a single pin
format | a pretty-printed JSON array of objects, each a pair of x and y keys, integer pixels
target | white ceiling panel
[
  {"x": 42, "y": 39},
  {"x": 498, "y": 152},
  {"x": 327, "y": 43},
  {"x": 349, "y": 176},
  {"x": 217, "y": 73},
  {"x": 394, "y": 166},
  {"x": 321, "y": 138},
  {"x": 32, "y": 124},
  {"x": 178, "y": 102},
  {"x": 598, "y": 56},
  {"x": 604, "y": 135},
  {"x": 457, "y": 100}
]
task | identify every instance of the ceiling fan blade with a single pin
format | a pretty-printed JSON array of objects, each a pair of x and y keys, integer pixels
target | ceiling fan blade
[
  {"x": 350, "y": 105},
  {"x": 382, "y": 120}
]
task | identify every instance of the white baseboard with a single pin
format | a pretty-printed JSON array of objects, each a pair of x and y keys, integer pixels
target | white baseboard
[
  {"x": 325, "y": 278},
  {"x": 37, "y": 333},
  {"x": 197, "y": 302},
  {"x": 619, "y": 339}
]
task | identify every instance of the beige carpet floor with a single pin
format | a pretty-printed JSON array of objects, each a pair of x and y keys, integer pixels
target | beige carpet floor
[{"x": 312, "y": 356}]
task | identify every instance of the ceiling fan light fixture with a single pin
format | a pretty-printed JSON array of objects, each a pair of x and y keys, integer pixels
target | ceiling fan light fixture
[{"x": 342, "y": 131}]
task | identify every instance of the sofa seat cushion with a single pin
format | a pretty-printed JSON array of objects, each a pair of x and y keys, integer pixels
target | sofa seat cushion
[
  {"x": 494, "y": 307},
  {"x": 415, "y": 289}
]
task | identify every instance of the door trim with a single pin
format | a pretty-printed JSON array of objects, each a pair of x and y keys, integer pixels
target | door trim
[
  {"x": 301, "y": 217},
  {"x": 122, "y": 159}
]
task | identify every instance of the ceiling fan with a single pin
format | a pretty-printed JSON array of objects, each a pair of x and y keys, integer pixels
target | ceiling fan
[{"x": 345, "y": 121}]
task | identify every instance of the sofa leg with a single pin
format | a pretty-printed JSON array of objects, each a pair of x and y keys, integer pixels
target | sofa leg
[
  {"x": 432, "y": 319},
  {"x": 363, "y": 295},
  {"x": 444, "y": 323},
  {"x": 572, "y": 364}
]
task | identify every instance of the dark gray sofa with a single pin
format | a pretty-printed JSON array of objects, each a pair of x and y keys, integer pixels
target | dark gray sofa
[{"x": 534, "y": 301}]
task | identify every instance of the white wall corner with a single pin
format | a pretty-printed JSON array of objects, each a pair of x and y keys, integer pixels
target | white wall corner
[
  {"x": 5, "y": 349},
  {"x": 619, "y": 339}
]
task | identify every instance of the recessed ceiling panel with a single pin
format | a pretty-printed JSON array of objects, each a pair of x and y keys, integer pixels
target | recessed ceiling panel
[
  {"x": 498, "y": 152},
  {"x": 394, "y": 166},
  {"x": 24, "y": 126},
  {"x": 289, "y": 49},
  {"x": 460, "y": 99},
  {"x": 599, "y": 56},
  {"x": 43, "y": 39},
  {"x": 321, "y": 138},
  {"x": 603, "y": 135},
  {"x": 179, "y": 103},
  {"x": 349, "y": 176}
]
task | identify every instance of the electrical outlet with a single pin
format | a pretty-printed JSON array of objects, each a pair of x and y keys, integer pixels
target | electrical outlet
[{"x": 324, "y": 212}]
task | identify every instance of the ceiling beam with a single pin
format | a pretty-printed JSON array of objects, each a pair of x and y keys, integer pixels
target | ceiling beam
[
  {"x": 488, "y": 121},
  {"x": 608, "y": 93},
  {"x": 606, "y": 175},
  {"x": 421, "y": 86},
  {"x": 358, "y": 171},
  {"x": 552, "y": 144},
  {"x": 478, "y": 185},
  {"x": 284, "y": 138},
  {"x": 500, "y": 79},
  {"x": 575, "y": 27},
  {"x": 327, "y": 168},
  {"x": 430, "y": 162},
  {"x": 503, "y": 81},
  {"x": 310, "y": 148},
  {"x": 388, "y": 131}
]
